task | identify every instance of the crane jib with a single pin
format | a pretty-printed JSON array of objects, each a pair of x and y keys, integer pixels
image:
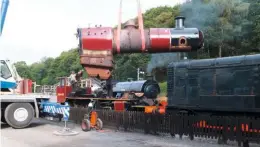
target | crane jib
[{"x": 3, "y": 11}]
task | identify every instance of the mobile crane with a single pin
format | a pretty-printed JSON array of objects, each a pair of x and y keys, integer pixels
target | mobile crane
[{"x": 19, "y": 109}]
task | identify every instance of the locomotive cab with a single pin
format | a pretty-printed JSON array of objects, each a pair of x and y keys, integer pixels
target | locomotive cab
[{"x": 64, "y": 89}]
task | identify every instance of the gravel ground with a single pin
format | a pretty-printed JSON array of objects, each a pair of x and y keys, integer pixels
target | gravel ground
[{"x": 40, "y": 134}]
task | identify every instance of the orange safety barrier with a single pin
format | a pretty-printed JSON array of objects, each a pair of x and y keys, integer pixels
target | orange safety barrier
[
  {"x": 93, "y": 118},
  {"x": 161, "y": 110},
  {"x": 244, "y": 127},
  {"x": 152, "y": 109},
  {"x": 149, "y": 109}
]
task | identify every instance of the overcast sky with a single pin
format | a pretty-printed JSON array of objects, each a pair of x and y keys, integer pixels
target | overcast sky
[{"x": 44, "y": 28}]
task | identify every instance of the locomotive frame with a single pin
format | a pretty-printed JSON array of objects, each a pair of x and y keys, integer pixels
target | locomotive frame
[{"x": 135, "y": 97}]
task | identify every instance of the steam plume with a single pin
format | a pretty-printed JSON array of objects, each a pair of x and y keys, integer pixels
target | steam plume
[{"x": 197, "y": 14}]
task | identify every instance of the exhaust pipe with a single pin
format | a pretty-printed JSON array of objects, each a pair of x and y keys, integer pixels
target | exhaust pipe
[{"x": 179, "y": 22}]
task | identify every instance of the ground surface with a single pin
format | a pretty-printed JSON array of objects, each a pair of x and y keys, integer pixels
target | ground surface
[{"x": 40, "y": 134}]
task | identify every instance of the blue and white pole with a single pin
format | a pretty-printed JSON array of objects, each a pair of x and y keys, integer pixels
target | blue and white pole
[{"x": 55, "y": 108}]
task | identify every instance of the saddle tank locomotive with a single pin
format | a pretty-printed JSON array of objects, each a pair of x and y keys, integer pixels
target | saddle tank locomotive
[{"x": 140, "y": 89}]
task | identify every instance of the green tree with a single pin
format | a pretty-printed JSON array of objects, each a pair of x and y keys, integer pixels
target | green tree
[
  {"x": 23, "y": 69},
  {"x": 231, "y": 27},
  {"x": 47, "y": 70},
  {"x": 160, "y": 17},
  {"x": 126, "y": 65},
  {"x": 254, "y": 18},
  {"x": 223, "y": 23}
]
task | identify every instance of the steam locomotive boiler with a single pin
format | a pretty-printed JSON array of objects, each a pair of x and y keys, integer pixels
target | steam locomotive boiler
[
  {"x": 221, "y": 86},
  {"x": 98, "y": 45},
  {"x": 137, "y": 89}
]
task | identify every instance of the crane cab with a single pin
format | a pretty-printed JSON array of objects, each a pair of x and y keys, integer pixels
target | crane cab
[
  {"x": 7, "y": 79},
  {"x": 10, "y": 80}
]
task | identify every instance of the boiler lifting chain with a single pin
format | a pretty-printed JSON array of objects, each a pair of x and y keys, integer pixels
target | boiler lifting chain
[{"x": 140, "y": 25}]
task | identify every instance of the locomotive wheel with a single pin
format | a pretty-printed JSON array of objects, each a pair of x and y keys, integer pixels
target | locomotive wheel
[
  {"x": 99, "y": 124},
  {"x": 85, "y": 125}
]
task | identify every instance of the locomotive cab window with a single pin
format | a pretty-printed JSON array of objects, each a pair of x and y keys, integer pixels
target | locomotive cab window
[
  {"x": 62, "y": 82},
  {"x": 180, "y": 83},
  {"x": 206, "y": 81},
  {"x": 181, "y": 72},
  {"x": 193, "y": 81},
  {"x": 224, "y": 81},
  {"x": 180, "y": 77},
  {"x": 4, "y": 70},
  {"x": 242, "y": 87}
]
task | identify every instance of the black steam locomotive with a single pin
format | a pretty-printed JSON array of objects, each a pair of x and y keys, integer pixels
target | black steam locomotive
[
  {"x": 222, "y": 85},
  {"x": 148, "y": 88}
]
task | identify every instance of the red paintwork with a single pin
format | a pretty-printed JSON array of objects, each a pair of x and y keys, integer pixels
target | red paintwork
[
  {"x": 21, "y": 87},
  {"x": 97, "y": 38},
  {"x": 160, "y": 39},
  {"x": 89, "y": 91},
  {"x": 119, "y": 105},
  {"x": 25, "y": 86},
  {"x": 60, "y": 92},
  {"x": 96, "y": 41},
  {"x": 30, "y": 84}
]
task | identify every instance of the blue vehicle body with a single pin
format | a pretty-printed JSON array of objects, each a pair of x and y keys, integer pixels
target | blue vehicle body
[{"x": 7, "y": 84}]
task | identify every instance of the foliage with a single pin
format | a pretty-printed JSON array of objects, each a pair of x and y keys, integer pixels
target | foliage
[
  {"x": 163, "y": 87},
  {"x": 49, "y": 69},
  {"x": 254, "y": 17},
  {"x": 126, "y": 65},
  {"x": 23, "y": 69},
  {"x": 231, "y": 27}
]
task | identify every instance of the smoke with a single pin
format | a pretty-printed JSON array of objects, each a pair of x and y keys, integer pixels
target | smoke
[
  {"x": 161, "y": 60},
  {"x": 198, "y": 15}
]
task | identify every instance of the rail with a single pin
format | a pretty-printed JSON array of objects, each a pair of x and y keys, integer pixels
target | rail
[
  {"x": 46, "y": 89},
  {"x": 51, "y": 89}
]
